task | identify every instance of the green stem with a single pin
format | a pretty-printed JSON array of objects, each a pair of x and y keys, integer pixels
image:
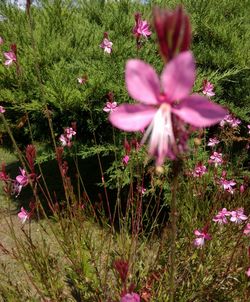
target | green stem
[{"x": 173, "y": 219}]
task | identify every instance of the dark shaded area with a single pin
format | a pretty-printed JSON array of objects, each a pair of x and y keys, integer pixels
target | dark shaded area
[{"x": 152, "y": 205}]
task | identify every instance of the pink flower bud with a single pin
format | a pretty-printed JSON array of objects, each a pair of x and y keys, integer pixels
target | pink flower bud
[{"x": 173, "y": 30}]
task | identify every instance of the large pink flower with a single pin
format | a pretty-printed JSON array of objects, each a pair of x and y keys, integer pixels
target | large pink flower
[{"x": 161, "y": 100}]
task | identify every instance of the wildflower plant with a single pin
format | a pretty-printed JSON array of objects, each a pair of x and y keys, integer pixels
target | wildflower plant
[{"x": 122, "y": 228}]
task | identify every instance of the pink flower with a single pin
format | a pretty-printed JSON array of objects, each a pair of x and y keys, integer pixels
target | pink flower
[
  {"x": 106, "y": 44},
  {"x": 208, "y": 88},
  {"x": 82, "y": 80},
  {"x": 248, "y": 272},
  {"x": 221, "y": 216},
  {"x": 110, "y": 106},
  {"x": 69, "y": 132},
  {"x": 232, "y": 121},
  {"x": 10, "y": 58},
  {"x": 125, "y": 160},
  {"x": 242, "y": 188},
  {"x": 22, "y": 179},
  {"x": 162, "y": 101},
  {"x": 64, "y": 141},
  {"x": 141, "y": 27},
  {"x": 131, "y": 297},
  {"x": 247, "y": 229},
  {"x": 228, "y": 185},
  {"x": 2, "y": 110},
  {"x": 248, "y": 126},
  {"x": 213, "y": 141},
  {"x": 201, "y": 237},
  {"x": 1, "y": 41},
  {"x": 23, "y": 215},
  {"x": 199, "y": 170},
  {"x": 216, "y": 159},
  {"x": 66, "y": 138},
  {"x": 236, "y": 122},
  {"x": 238, "y": 215}
]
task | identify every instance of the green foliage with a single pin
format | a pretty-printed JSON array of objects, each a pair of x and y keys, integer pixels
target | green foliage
[{"x": 61, "y": 43}]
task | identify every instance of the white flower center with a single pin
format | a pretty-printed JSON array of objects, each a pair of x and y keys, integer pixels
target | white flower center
[{"x": 162, "y": 135}]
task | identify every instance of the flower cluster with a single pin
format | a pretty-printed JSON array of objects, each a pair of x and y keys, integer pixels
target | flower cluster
[
  {"x": 199, "y": 170},
  {"x": 236, "y": 216},
  {"x": 231, "y": 121}
]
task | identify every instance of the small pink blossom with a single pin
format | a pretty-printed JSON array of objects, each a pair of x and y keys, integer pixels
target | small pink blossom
[
  {"x": 106, "y": 44},
  {"x": 2, "y": 110},
  {"x": 208, "y": 88},
  {"x": 247, "y": 229},
  {"x": 1, "y": 41},
  {"x": 228, "y": 185},
  {"x": 201, "y": 236},
  {"x": 213, "y": 141},
  {"x": 248, "y": 272},
  {"x": 125, "y": 160},
  {"x": 141, "y": 27},
  {"x": 131, "y": 297},
  {"x": 110, "y": 107},
  {"x": 66, "y": 138},
  {"x": 10, "y": 58},
  {"x": 236, "y": 122},
  {"x": 216, "y": 159},
  {"x": 141, "y": 190},
  {"x": 22, "y": 179},
  {"x": 64, "y": 141},
  {"x": 238, "y": 215},
  {"x": 248, "y": 126},
  {"x": 199, "y": 170},
  {"x": 69, "y": 132},
  {"x": 230, "y": 120},
  {"x": 221, "y": 217},
  {"x": 23, "y": 215},
  {"x": 242, "y": 188},
  {"x": 166, "y": 104},
  {"x": 82, "y": 80}
]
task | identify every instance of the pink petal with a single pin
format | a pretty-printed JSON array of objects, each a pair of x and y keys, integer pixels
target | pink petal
[
  {"x": 8, "y": 62},
  {"x": 197, "y": 233},
  {"x": 199, "y": 111},
  {"x": 132, "y": 117},
  {"x": 142, "y": 82},
  {"x": 178, "y": 76}
]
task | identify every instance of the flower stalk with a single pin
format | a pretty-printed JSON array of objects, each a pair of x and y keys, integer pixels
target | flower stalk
[{"x": 173, "y": 219}]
